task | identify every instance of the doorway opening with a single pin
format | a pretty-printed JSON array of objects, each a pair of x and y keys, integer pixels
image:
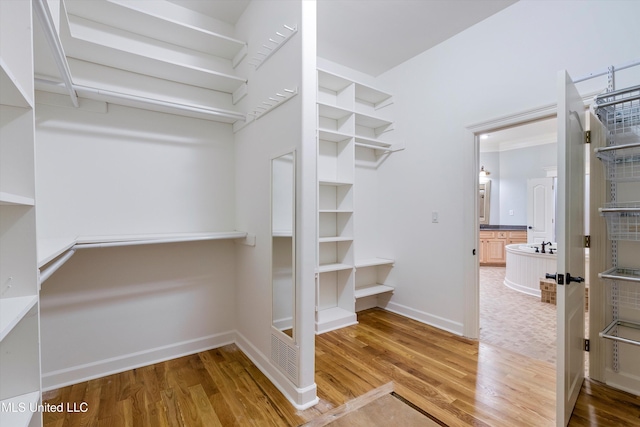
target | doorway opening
[{"x": 519, "y": 163}]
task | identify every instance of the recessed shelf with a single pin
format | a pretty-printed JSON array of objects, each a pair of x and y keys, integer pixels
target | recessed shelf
[
  {"x": 19, "y": 413},
  {"x": 332, "y": 82},
  {"x": 335, "y": 211},
  {"x": 12, "y": 310},
  {"x": 333, "y": 136},
  {"x": 156, "y": 21},
  {"x": 372, "y": 262},
  {"x": 372, "y": 141},
  {"x": 370, "y": 95},
  {"x": 334, "y": 183},
  {"x": 334, "y": 318},
  {"x": 15, "y": 199},
  {"x": 11, "y": 92},
  {"x": 326, "y": 268},
  {"x": 335, "y": 239},
  {"x": 370, "y": 290}
]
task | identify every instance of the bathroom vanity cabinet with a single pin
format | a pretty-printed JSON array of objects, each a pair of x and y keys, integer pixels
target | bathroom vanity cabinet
[{"x": 493, "y": 243}]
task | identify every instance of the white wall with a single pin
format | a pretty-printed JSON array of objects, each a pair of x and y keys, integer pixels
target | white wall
[
  {"x": 510, "y": 170},
  {"x": 505, "y": 64},
  {"x": 130, "y": 171}
]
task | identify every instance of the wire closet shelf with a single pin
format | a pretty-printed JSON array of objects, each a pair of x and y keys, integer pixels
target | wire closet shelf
[{"x": 619, "y": 111}]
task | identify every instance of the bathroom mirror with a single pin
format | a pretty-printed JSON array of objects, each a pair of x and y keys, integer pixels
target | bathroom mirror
[
  {"x": 283, "y": 271},
  {"x": 484, "y": 201}
]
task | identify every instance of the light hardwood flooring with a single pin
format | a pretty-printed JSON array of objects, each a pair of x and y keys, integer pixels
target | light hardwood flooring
[{"x": 458, "y": 381}]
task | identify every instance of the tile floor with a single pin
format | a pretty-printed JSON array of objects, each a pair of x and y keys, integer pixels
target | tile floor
[{"x": 515, "y": 321}]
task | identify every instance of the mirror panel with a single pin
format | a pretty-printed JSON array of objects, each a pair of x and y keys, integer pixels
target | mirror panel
[
  {"x": 283, "y": 243},
  {"x": 484, "y": 201}
]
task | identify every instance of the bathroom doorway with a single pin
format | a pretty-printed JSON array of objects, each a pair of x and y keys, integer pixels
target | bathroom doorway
[{"x": 517, "y": 321}]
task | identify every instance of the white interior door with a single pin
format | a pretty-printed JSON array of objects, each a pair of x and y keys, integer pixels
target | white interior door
[
  {"x": 540, "y": 210},
  {"x": 570, "y": 232}
]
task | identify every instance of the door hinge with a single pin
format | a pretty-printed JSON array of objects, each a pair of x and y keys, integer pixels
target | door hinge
[
  {"x": 587, "y": 241},
  {"x": 586, "y": 344},
  {"x": 587, "y": 137}
]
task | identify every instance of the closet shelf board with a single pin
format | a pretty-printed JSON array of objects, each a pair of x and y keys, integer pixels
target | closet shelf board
[
  {"x": 12, "y": 310},
  {"x": 370, "y": 290},
  {"x": 137, "y": 17},
  {"x": 335, "y": 239},
  {"x": 326, "y": 268},
  {"x": 371, "y": 141},
  {"x": 372, "y": 262},
  {"x": 51, "y": 248},
  {"x": 11, "y": 91},
  {"x": 334, "y": 318},
  {"x": 19, "y": 418},
  {"x": 15, "y": 200},
  {"x": 333, "y": 136},
  {"x": 334, "y": 183}
]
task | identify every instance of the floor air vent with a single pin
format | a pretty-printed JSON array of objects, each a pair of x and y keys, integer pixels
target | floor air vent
[{"x": 285, "y": 356}]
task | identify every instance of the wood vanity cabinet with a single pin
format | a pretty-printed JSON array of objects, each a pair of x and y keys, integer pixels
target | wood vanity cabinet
[{"x": 493, "y": 243}]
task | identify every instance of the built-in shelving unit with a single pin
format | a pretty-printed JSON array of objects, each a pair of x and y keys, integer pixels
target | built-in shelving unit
[
  {"x": 619, "y": 111},
  {"x": 348, "y": 116},
  {"x": 19, "y": 309}
]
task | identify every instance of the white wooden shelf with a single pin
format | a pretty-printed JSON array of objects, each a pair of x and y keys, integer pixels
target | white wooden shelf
[
  {"x": 49, "y": 249},
  {"x": 282, "y": 233},
  {"x": 335, "y": 239},
  {"x": 370, "y": 290},
  {"x": 330, "y": 211},
  {"x": 15, "y": 199},
  {"x": 17, "y": 410},
  {"x": 332, "y": 135},
  {"x": 101, "y": 44},
  {"x": 333, "y": 112},
  {"x": 332, "y": 82},
  {"x": 372, "y": 262},
  {"x": 12, "y": 310},
  {"x": 334, "y": 318},
  {"x": 326, "y": 268},
  {"x": 334, "y": 183},
  {"x": 11, "y": 92},
  {"x": 156, "y": 22},
  {"x": 372, "y": 141},
  {"x": 369, "y": 95}
]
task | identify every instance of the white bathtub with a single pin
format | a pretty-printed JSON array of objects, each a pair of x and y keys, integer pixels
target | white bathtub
[{"x": 525, "y": 268}]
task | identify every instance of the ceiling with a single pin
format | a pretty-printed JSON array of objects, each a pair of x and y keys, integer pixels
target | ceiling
[{"x": 373, "y": 36}]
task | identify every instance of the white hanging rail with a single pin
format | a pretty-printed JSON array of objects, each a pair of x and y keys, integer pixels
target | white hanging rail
[
  {"x": 107, "y": 94},
  {"x": 47, "y": 272},
  {"x": 44, "y": 15},
  {"x": 273, "y": 45},
  {"x": 606, "y": 71}
]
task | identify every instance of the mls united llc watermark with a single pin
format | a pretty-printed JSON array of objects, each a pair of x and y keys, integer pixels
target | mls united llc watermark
[{"x": 20, "y": 407}]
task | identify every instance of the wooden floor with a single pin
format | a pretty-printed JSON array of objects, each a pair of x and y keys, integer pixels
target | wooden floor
[{"x": 458, "y": 381}]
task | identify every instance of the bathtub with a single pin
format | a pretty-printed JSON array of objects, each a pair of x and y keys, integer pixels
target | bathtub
[{"x": 525, "y": 267}]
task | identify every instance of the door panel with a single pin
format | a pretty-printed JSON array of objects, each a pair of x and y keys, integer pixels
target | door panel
[
  {"x": 540, "y": 210},
  {"x": 570, "y": 236}
]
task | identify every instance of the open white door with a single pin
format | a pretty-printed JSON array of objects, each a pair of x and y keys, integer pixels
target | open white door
[
  {"x": 540, "y": 210},
  {"x": 570, "y": 236}
]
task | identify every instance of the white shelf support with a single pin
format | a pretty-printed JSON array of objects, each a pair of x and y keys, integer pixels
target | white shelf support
[
  {"x": 45, "y": 18},
  {"x": 273, "y": 45},
  {"x": 267, "y": 106}
]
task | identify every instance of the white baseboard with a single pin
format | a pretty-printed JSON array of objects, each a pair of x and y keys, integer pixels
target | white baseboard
[
  {"x": 421, "y": 316},
  {"x": 623, "y": 381},
  {"x": 76, "y": 374},
  {"x": 300, "y": 398}
]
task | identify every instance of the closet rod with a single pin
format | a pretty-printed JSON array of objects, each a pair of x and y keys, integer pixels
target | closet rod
[
  {"x": 606, "y": 71},
  {"x": 107, "y": 93},
  {"x": 44, "y": 275},
  {"x": 217, "y": 236},
  {"x": 209, "y": 111},
  {"x": 59, "y": 57}
]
